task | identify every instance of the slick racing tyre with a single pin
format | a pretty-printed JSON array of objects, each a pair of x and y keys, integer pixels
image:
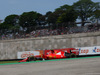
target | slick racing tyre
[
  {"x": 31, "y": 58},
  {"x": 73, "y": 55}
]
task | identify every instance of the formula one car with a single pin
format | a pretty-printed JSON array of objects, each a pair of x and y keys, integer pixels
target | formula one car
[{"x": 54, "y": 54}]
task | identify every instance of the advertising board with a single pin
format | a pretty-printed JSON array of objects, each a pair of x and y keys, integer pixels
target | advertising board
[
  {"x": 89, "y": 50},
  {"x": 25, "y": 54}
]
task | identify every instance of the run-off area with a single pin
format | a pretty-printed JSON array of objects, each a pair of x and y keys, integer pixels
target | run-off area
[{"x": 89, "y": 66}]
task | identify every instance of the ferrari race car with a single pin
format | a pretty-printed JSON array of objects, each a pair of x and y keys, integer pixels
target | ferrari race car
[{"x": 54, "y": 54}]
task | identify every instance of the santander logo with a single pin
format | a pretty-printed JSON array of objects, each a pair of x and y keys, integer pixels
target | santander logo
[{"x": 26, "y": 54}]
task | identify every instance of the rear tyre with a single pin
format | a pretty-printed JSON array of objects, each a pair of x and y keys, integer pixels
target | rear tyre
[
  {"x": 31, "y": 58},
  {"x": 73, "y": 55}
]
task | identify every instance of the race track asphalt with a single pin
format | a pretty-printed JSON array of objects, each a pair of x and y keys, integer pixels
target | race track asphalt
[{"x": 88, "y": 66}]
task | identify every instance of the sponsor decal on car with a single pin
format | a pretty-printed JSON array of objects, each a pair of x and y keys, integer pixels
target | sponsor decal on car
[
  {"x": 50, "y": 56},
  {"x": 54, "y": 56}
]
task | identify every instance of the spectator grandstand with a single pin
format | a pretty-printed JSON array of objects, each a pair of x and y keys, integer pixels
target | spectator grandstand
[{"x": 49, "y": 32}]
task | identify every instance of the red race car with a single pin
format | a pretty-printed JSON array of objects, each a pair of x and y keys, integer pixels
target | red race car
[{"x": 54, "y": 54}]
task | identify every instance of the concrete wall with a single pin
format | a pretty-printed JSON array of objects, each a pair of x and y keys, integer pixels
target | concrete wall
[{"x": 9, "y": 48}]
